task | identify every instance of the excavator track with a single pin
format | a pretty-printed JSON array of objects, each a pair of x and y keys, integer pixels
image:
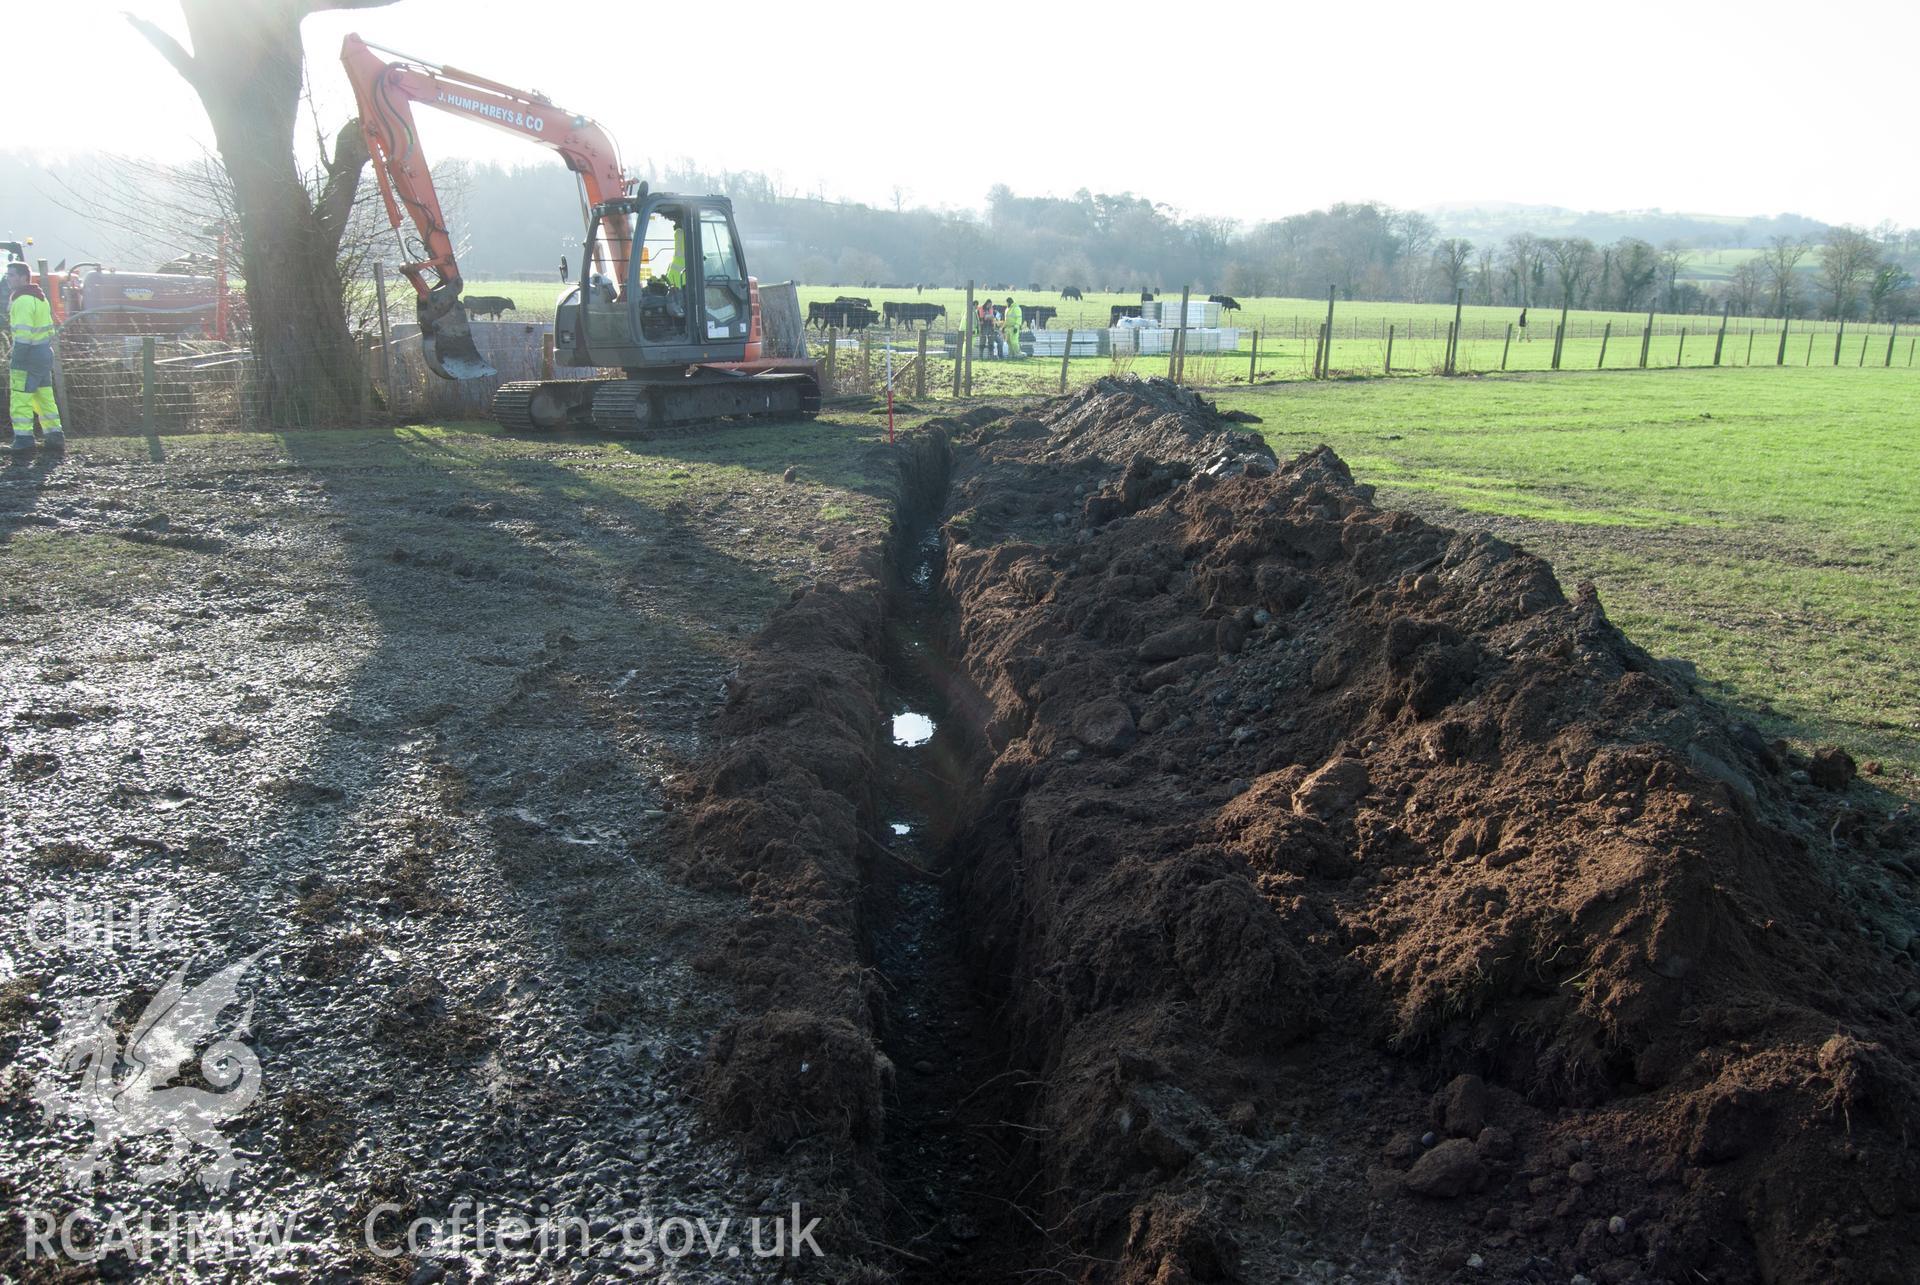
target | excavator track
[{"x": 673, "y": 406}]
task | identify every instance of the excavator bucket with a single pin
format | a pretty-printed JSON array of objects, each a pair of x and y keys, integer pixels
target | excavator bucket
[{"x": 446, "y": 338}]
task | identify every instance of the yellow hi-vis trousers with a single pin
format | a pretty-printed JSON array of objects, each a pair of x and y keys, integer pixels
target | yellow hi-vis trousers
[{"x": 25, "y": 405}]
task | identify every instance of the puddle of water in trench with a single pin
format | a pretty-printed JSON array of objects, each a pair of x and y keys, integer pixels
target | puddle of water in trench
[
  {"x": 943, "y": 1147},
  {"x": 911, "y": 729}
]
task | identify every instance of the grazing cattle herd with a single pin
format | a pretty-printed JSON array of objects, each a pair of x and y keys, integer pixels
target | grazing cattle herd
[
  {"x": 852, "y": 312},
  {"x": 844, "y": 313},
  {"x": 856, "y": 312}
]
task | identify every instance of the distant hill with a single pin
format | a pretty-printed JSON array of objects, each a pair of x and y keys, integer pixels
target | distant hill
[{"x": 1495, "y": 221}]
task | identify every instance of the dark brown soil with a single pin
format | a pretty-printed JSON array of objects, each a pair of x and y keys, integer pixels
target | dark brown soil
[{"x": 1347, "y": 899}]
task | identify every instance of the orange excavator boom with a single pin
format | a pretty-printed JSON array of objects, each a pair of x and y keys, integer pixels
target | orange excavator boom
[{"x": 387, "y": 86}]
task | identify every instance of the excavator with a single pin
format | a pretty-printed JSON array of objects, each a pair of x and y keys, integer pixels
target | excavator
[{"x": 663, "y": 293}]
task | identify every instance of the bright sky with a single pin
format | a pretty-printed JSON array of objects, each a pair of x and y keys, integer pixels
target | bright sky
[{"x": 1244, "y": 108}]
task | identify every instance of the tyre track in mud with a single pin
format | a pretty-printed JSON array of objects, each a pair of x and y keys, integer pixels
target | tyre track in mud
[{"x": 406, "y": 733}]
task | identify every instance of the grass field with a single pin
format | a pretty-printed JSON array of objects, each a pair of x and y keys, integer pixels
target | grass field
[
  {"x": 1762, "y": 523},
  {"x": 1763, "y": 526},
  {"x": 1288, "y": 330}
]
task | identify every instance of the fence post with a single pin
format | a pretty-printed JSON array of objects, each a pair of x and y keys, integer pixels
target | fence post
[
  {"x": 1453, "y": 336},
  {"x": 1750, "y": 338},
  {"x": 866, "y": 360},
  {"x": 1891, "y": 336},
  {"x": 963, "y": 384},
  {"x": 1253, "y": 362},
  {"x": 1389, "y": 350},
  {"x": 1506, "y": 345},
  {"x": 148, "y": 422},
  {"x": 386, "y": 334},
  {"x": 1604, "y": 336},
  {"x": 1646, "y": 339},
  {"x": 920, "y": 366},
  {"x": 1174, "y": 363},
  {"x": 1838, "y": 336},
  {"x": 1781, "y": 360},
  {"x": 1326, "y": 342},
  {"x": 1066, "y": 354},
  {"x": 1680, "y": 355},
  {"x": 1721, "y": 341},
  {"x": 1560, "y": 334},
  {"x": 1863, "y": 350},
  {"x": 1810, "y": 338}
]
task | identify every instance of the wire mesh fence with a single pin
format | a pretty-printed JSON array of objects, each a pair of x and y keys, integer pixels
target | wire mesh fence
[{"x": 172, "y": 383}]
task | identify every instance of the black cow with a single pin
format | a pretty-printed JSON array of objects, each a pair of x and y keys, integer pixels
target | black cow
[
  {"x": 1036, "y": 316},
  {"x": 913, "y": 313},
  {"x": 1146, "y": 295},
  {"x": 1226, "y": 301},
  {"x": 841, "y": 315},
  {"x": 1120, "y": 310},
  {"x": 488, "y": 305},
  {"x": 1071, "y": 292},
  {"x": 859, "y": 301}
]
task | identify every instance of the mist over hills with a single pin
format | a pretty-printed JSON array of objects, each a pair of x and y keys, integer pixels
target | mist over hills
[{"x": 520, "y": 221}]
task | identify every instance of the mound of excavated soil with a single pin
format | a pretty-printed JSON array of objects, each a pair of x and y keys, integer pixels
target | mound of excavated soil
[
  {"x": 1347, "y": 898},
  {"x": 1353, "y": 895}
]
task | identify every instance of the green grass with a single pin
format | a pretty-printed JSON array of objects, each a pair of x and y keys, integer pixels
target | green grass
[
  {"x": 1278, "y": 319},
  {"x": 1288, "y": 328},
  {"x": 1763, "y": 525}
]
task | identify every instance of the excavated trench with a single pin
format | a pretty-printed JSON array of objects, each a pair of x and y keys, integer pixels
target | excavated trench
[
  {"x": 949, "y": 1145},
  {"x": 1165, "y": 864}
]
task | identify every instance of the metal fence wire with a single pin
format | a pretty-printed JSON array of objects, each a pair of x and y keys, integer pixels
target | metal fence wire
[{"x": 172, "y": 383}]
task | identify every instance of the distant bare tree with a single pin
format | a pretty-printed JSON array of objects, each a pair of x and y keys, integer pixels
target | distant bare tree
[
  {"x": 1523, "y": 265},
  {"x": 1673, "y": 261},
  {"x": 1572, "y": 263},
  {"x": 1450, "y": 259},
  {"x": 1636, "y": 264},
  {"x": 1483, "y": 277},
  {"x": 1847, "y": 261},
  {"x": 1777, "y": 266},
  {"x": 1889, "y": 283},
  {"x": 1743, "y": 287}
]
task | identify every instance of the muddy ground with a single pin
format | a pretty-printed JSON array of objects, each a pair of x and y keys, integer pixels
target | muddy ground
[
  {"x": 394, "y": 712},
  {"x": 1276, "y": 888}
]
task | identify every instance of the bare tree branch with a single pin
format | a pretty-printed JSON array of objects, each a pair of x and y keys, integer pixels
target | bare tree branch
[
  {"x": 343, "y": 178},
  {"x": 169, "y": 48}
]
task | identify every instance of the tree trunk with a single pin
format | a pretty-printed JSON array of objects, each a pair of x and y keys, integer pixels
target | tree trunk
[{"x": 246, "y": 66}]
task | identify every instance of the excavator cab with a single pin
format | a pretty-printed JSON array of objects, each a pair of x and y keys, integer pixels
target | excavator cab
[{"x": 686, "y": 299}]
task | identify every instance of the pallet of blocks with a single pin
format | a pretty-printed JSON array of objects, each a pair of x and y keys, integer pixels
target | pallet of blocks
[{"x": 1086, "y": 343}]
